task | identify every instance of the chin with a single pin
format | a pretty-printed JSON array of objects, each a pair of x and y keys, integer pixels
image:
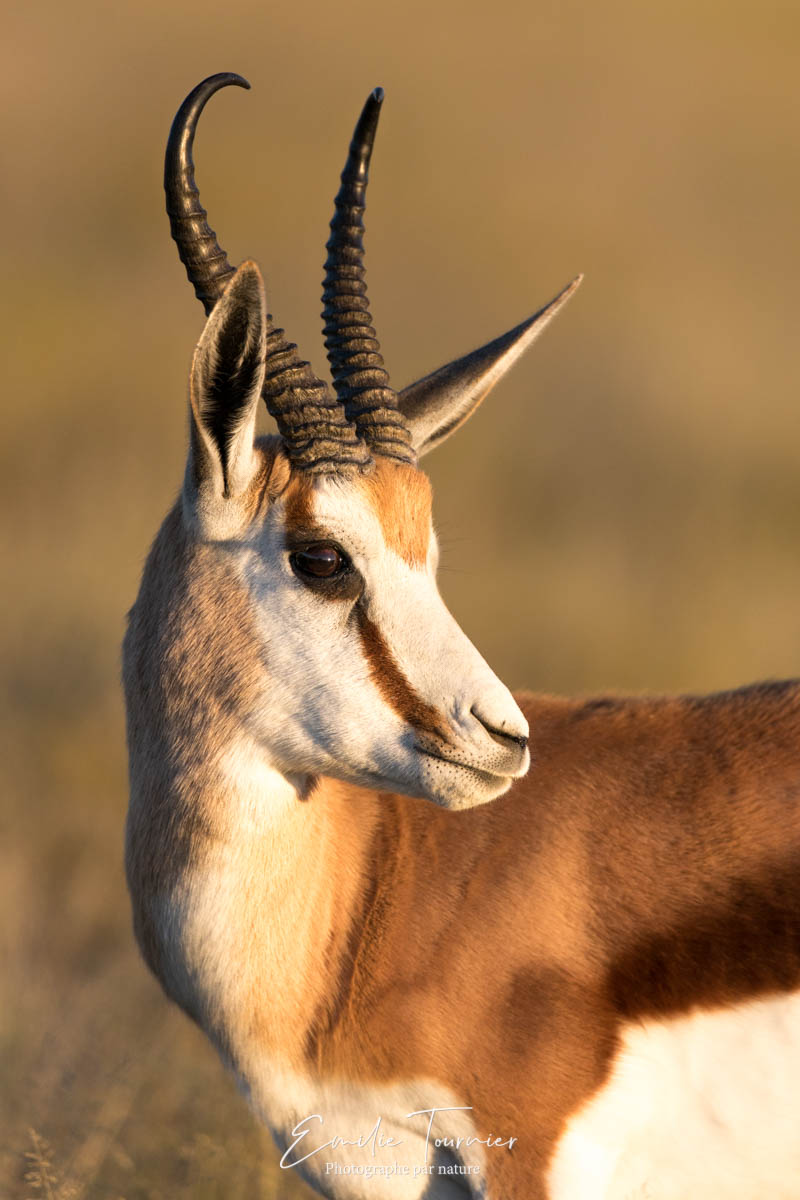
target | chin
[{"x": 454, "y": 786}]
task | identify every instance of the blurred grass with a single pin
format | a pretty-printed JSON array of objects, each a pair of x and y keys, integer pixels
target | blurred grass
[{"x": 623, "y": 513}]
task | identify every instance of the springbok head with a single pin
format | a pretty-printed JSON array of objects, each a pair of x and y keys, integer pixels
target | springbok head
[{"x": 367, "y": 677}]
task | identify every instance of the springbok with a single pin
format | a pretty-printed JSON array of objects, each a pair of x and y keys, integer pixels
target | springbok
[{"x": 586, "y": 989}]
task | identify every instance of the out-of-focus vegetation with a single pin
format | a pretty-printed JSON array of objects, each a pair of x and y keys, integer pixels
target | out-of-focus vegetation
[{"x": 623, "y": 513}]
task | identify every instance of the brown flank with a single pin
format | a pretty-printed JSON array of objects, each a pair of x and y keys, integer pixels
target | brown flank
[{"x": 646, "y": 867}]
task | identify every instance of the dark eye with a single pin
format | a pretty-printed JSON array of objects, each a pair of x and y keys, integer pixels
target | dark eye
[{"x": 322, "y": 561}]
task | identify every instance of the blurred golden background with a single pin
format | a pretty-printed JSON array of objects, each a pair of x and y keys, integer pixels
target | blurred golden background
[{"x": 624, "y": 511}]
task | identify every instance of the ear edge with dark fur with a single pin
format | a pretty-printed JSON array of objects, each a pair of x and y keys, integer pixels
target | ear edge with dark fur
[{"x": 227, "y": 377}]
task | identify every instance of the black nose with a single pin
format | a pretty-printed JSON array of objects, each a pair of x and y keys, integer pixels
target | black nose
[{"x": 500, "y": 735}]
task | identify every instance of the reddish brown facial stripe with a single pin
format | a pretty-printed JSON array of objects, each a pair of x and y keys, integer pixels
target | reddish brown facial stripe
[{"x": 392, "y": 683}]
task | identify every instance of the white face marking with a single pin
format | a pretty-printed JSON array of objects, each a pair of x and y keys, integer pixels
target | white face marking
[
  {"x": 702, "y": 1106},
  {"x": 323, "y": 712}
]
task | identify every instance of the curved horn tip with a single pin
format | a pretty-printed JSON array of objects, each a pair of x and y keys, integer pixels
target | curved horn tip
[
  {"x": 205, "y": 260},
  {"x": 223, "y": 78},
  {"x": 187, "y": 116},
  {"x": 367, "y": 125},
  {"x": 195, "y": 102}
]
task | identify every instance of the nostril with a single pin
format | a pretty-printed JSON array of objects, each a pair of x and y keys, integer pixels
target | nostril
[
  {"x": 516, "y": 738},
  {"x": 501, "y": 735}
]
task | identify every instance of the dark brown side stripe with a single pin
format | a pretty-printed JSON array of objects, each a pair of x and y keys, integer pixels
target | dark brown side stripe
[
  {"x": 392, "y": 683},
  {"x": 744, "y": 947}
]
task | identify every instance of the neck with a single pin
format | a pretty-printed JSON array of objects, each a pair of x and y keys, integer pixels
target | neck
[
  {"x": 252, "y": 900},
  {"x": 241, "y": 888}
]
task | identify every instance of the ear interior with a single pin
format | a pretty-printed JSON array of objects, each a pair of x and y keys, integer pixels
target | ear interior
[{"x": 226, "y": 381}]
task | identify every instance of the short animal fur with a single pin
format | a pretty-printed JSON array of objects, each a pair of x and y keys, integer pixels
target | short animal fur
[{"x": 340, "y": 863}]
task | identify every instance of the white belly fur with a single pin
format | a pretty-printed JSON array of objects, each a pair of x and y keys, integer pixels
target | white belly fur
[{"x": 703, "y": 1106}]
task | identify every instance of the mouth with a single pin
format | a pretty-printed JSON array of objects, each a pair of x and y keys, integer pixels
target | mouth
[
  {"x": 490, "y": 777},
  {"x": 456, "y": 784}
]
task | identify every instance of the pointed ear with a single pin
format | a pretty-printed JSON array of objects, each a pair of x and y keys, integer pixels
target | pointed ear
[
  {"x": 435, "y": 407},
  {"x": 225, "y": 385}
]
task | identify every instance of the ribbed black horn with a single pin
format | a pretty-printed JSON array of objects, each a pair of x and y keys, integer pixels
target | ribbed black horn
[
  {"x": 313, "y": 424},
  {"x": 206, "y": 262},
  {"x": 359, "y": 376}
]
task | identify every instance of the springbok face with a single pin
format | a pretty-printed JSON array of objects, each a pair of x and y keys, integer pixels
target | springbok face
[{"x": 367, "y": 677}]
